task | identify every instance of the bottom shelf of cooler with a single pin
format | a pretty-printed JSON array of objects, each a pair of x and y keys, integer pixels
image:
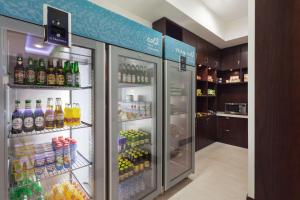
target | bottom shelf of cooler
[{"x": 66, "y": 187}]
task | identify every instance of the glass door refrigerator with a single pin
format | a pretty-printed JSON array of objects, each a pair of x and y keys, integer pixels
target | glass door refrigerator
[
  {"x": 51, "y": 99},
  {"x": 135, "y": 121},
  {"x": 179, "y": 123}
]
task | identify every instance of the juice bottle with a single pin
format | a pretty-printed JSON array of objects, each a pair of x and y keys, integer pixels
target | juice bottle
[
  {"x": 59, "y": 114},
  {"x": 49, "y": 115},
  {"x": 17, "y": 119},
  {"x": 39, "y": 118},
  {"x": 76, "y": 114},
  {"x": 28, "y": 123},
  {"x": 68, "y": 115}
]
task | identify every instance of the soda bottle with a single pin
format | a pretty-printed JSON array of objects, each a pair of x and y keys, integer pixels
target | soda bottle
[
  {"x": 59, "y": 114},
  {"x": 68, "y": 74},
  {"x": 39, "y": 118},
  {"x": 28, "y": 123},
  {"x": 68, "y": 115},
  {"x": 30, "y": 73},
  {"x": 77, "y": 75},
  {"x": 49, "y": 115},
  {"x": 19, "y": 73},
  {"x": 17, "y": 119},
  {"x": 59, "y": 74},
  {"x": 51, "y": 73},
  {"x": 76, "y": 114},
  {"x": 41, "y": 73}
]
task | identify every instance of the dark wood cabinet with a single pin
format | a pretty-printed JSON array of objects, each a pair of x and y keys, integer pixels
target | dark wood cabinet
[
  {"x": 189, "y": 38},
  {"x": 206, "y": 131},
  {"x": 233, "y": 131},
  {"x": 231, "y": 58},
  {"x": 244, "y": 56}
]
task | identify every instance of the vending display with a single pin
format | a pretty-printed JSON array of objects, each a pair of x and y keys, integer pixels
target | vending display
[
  {"x": 135, "y": 126},
  {"x": 50, "y": 117}
]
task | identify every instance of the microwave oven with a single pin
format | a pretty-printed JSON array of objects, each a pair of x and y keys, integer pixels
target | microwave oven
[{"x": 236, "y": 108}]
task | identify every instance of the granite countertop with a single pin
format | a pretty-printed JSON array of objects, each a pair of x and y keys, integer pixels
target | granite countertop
[{"x": 223, "y": 114}]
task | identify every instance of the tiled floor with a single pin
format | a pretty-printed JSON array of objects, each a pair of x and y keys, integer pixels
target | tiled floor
[{"x": 221, "y": 174}]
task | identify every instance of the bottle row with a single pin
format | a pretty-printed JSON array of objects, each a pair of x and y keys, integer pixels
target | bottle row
[
  {"x": 133, "y": 138},
  {"x": 39, "y": 120},
  {"x": 136, "y": 74},
  {"x": 35, "y": 73},
  {"x": 134, "y": 110},
  {"x": 132, "y": 162},
  {"x": 34, "y": 190},
  {"x": 35, "y": 159}
]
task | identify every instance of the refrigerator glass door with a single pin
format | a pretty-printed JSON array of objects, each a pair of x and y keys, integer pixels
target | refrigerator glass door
[
  {"x": 50, "y": 115},
  {"x": 179, "y": 136},
  {"x": 135, "y": 129}
]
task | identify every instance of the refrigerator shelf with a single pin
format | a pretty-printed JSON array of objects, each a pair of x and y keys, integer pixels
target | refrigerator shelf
[
  {"x": 46, "y": 87},
  {"x": 48, "y": 131},
  {"x": 81, "y": 162},
  {"x": 136, "y": 174},
  {"x": 128, "y": 85},
  {"x": 135, "y": 119}
]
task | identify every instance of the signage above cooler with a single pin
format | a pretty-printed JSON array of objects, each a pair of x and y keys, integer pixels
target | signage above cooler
[
  {"x": 90, "y": 21},
  {"x": 176, "y": 50}
]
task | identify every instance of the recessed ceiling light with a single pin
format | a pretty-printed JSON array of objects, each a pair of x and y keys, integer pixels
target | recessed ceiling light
[
  {"x": 231, "y": 70},
  {"x": 40, "y": 46}
]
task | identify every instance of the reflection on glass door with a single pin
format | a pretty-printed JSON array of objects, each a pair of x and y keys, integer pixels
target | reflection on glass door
[
  {"x": 134, "y": 174},
  {"x": 178, "y": 122}
]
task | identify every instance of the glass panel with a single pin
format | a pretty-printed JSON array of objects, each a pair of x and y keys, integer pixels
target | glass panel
[
  {"x": 180, "y": 133},
  {"x": 50, "y": 142},
  {"x": 137, "y": 128}
]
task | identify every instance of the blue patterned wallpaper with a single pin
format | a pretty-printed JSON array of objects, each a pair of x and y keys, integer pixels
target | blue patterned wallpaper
[
  {"x": 173, "y": 49},
  {"x": 91, "y": 21}
]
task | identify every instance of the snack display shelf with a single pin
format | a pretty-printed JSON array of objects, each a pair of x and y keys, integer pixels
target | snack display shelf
[
  {"x": 135, "y": 119},
  {"x": 126, "y": 85},
  {"x": 48, "y": 131}
]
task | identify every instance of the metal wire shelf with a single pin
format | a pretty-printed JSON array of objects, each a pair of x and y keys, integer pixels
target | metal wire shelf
[
  {"x": 47, "y": 131},
  {"x": 46, "y": 87}
]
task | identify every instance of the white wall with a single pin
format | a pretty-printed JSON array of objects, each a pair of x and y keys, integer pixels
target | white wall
[
  {"x": 251, "y": 99},
  {"x": 236, "y": 29},
  {"x": 116, "y": 9}
]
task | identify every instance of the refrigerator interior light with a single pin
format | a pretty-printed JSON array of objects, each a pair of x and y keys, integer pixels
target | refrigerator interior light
[{"x": 33, "y": 45}]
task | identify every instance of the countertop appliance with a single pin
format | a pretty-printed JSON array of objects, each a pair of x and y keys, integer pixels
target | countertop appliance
[{"x": 236, "y": 108}]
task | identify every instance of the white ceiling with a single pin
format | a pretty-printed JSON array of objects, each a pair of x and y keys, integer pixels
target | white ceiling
[
  {"x": 221, "y": 22},
  {"x": 228, "y": 10}
]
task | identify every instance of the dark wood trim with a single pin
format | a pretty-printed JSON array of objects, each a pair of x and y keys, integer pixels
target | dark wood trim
[{"x": 249, "y": 198}]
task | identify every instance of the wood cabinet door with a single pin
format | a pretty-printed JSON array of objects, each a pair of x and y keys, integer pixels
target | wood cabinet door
[
  {"x": 244, "y": 56},
  {"x": 231, "y": 58}
]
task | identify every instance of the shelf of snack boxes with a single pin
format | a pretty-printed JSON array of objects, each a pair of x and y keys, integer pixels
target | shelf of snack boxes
[{"x": 47, "y": 131}]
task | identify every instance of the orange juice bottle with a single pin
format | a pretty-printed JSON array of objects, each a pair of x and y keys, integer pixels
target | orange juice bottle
[
  {"x": 68, "y": 114},
  {"x": 76, "y": 114}
]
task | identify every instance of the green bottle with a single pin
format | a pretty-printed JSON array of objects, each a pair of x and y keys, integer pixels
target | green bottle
[
  {"x": 41, "y": 73},
  {"x": 30, "y": 72},
  {"x": 68, "y": 74},
  {"x": 76, "y": 74}
]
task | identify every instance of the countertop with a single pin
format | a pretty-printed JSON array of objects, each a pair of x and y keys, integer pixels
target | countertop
[{"x": 223, "y": 114}]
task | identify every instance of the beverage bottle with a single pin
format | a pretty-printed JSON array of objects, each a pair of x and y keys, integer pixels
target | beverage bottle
[
  {"x": 124, "y": 73},
  {"x": 128, "y": 73},
  {"x": 138, "y": 76},
  {"x": 19, "y": 73},
  {"x": 76, "y": 114},
  {"x": 59, "y": 114},
  {"x": 17, "y": 118},
  {"x": 49, "y": 115},
  {"x": 133, "y": 74},
  {"x": 146, "y": 75},
  {"x": 120, "y": 73},
  {"x": 59, "y": 74},
  {"x": 30, "y": 73},
  {"x": 68, "y": 114},
  {"x": 77, "y": 74},
  {"x": 51, "y": 79},
  {"x": 39, "y": 118},
  {"x": 28, "y": 122},
  {"x": 142, "y": 75},
  {"x": 41, "y": 73},
  {"x": 68, "y": 74}
]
